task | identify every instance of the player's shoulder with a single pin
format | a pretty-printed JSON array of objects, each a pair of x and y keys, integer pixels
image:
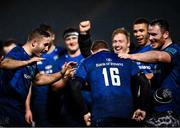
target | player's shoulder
[
  {"x": 17, "y": 50},
  {"x": 173, "y": 49}
]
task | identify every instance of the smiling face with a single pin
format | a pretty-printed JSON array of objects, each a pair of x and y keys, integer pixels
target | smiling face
[
  {"x": 156, "y": 36},
  {"x": 120, "y": 43},
  {"x": 140, "y": 32},
  {"x": 71, "y": 43}
]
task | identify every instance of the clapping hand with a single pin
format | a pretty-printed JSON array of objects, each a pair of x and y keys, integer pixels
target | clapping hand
[{"x": 68, "y": 69}]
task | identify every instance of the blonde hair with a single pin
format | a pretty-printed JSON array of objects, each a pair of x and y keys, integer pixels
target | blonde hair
[{"x": 122, "y": 31}]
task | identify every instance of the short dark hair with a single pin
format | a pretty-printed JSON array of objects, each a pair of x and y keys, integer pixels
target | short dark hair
[
  {"x": 141, "y": 20},
  {"x": 70, "y": 31},
  {"x": 98, "y": 44},
  {"x": 162, "y": 23},
  {"x": 37, "y": 33},
  {"x": 46, "y": 28},
  {"x": 8, "y": 42}
]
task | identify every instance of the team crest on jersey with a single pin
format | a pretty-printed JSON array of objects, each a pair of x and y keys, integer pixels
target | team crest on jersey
[
  {"x": 108, "y": 59},
  {"x": 27, "y": 76},
  {"x": 56, "y": 57}
]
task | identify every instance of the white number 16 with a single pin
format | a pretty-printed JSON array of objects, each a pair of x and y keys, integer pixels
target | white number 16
[{"x": 114, "y": 76}]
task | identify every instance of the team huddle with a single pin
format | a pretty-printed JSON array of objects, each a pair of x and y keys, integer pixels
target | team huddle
[{"x": 87, "y": 83}]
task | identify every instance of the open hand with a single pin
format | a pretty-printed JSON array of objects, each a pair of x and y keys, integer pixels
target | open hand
[{"x": 36, "y": 59}]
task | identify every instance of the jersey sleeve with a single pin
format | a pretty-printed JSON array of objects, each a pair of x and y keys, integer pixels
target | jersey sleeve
[
  {"x": 14, "y": 54},
  {"x": 85, "y": 44},
  {"x": 174, "y": 53}
]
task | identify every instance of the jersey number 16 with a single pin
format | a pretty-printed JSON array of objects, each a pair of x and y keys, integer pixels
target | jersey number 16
[{"x": 114, "y": 76}]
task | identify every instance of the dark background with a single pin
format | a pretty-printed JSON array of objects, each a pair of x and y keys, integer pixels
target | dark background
[{"x": 19, "y": 17}]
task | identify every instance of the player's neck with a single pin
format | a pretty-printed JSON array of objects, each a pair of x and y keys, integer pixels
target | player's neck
[
  {"x": 100, "y": 50},
  {"x": 74, "y": 53},
  {"x": 167, "y": 43},
  {"x": 148, "y": 43},
  {"x": 27, "y": 48},
  {"x": 52, "y": 47}
]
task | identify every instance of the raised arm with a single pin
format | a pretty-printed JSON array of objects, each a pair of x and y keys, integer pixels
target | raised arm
[
  {"x": 149, "y": 57},
  {"x": 13, "y": 64},
  {"x": 84, "y": 38}
]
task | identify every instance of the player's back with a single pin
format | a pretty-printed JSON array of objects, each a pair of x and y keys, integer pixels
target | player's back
[{"x": 109, "y": 77}]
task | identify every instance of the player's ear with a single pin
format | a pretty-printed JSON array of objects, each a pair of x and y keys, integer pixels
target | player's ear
[
  {"x": 128, "y": 43},
  {"x": 53, "y": 36},
  {"x": 34, "y": 43},
  {"x": 166, "y": 34}
]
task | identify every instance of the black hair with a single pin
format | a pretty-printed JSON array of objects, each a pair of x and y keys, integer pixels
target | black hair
[
  {"x": 46, "y": 28},
  {"x": 162, "y": 23},
  {"x": 141, "y": 21},
  {"x": 68, "y": 31},
  {"x": 8, "y": 42},
  {"x": 37, "y": 33}
]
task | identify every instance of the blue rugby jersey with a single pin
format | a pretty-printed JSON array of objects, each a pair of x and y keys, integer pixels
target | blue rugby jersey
[
  {"x": 14, "y": 84},
  {"x": 40, "y": 94},
  {"x": 169, "y": 77},
  {"x": 109, "y": 77},
  {"x": 145, "y": 67},
  {"x": 48, "y": 66},
  {"x": 67, "y": 58}
]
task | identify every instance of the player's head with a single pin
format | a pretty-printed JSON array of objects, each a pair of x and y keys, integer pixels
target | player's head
[
  {"x": 99, "y": 45},
  {"x": 48, "y": 29},
  {"x": 8, "y": 45},
  {"x": 39, "y": 41},
  {"x": 70, "y": 37},
  {"x": 159, "y": 33},
  {"x": 140, "y": 31},
  {"x": 120, "y": 40}
]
